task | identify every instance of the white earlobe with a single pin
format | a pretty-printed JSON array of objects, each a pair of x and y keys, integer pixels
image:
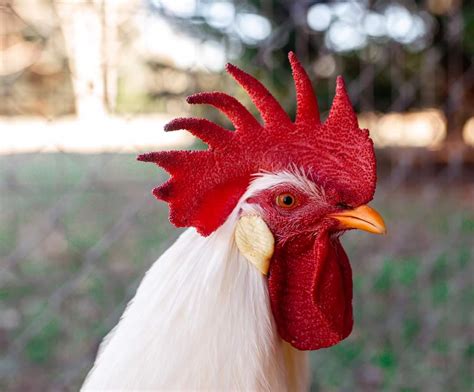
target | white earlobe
[{"x": 255, "y": 241}]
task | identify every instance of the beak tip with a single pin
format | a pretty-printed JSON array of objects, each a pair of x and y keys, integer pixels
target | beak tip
[
  {"x": 382, "y": 229},
  {"x": 363, "y": 218}
]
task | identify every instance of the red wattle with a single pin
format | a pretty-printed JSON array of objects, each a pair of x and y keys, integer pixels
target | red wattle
[{"x": 310, "y": 288}]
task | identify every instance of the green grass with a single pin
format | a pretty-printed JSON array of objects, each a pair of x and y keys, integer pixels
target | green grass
[{"x": 78, "y": 232}]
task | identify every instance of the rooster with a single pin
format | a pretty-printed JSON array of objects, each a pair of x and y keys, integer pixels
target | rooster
[{"x": 260, "y": 276}]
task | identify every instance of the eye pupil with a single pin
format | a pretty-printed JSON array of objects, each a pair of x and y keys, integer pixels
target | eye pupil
[{"x": 287, "y": 200}]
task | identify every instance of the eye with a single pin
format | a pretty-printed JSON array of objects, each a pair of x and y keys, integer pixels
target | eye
[{"x": 285, "y": 200}]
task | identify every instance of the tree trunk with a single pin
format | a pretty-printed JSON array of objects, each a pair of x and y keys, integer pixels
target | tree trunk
[{"x": 90, "y": 35}]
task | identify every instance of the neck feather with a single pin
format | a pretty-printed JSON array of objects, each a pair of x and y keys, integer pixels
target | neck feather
[{"x": 200, "y": 319}]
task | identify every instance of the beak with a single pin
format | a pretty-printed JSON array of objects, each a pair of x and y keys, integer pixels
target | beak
[{"x": 363, "y": 218}]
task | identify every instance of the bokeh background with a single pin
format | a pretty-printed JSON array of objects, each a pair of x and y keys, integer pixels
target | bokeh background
[{"x": 86, "y": 85}]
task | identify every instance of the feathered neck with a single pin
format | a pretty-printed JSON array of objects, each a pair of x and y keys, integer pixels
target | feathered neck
[{"x": 201, "y": 319}]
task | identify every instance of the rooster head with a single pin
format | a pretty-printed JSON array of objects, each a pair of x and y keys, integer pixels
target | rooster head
[{"x": 313, "y": 181}]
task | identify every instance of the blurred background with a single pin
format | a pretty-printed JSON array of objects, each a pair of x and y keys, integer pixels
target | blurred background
[{"x": 86, "y": 85}]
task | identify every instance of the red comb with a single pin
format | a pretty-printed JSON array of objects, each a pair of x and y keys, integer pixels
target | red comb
[{"x": 206, "y": 185}]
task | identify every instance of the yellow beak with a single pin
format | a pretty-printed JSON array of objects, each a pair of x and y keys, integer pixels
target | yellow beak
[{"x": 363, "y": 218}]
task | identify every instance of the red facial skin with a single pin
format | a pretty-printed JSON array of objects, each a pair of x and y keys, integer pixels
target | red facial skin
[{"x": 310, "y": 278}]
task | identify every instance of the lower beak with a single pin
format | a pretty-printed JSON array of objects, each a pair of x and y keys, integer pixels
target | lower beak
[{"x": 363, "y": 218}]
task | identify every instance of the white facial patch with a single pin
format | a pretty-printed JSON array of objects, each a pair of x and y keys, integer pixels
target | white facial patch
[{"x": 296, "y": 178}]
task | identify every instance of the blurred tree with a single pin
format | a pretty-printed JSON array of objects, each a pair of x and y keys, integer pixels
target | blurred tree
[
  {"x": 90, "y": 30},
  {"x": 32, "y": 60},
  {"x": 395, "y": 55},
  {"x": 84, "y": 37}
]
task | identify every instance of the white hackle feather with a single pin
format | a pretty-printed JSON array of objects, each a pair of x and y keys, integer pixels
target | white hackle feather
[{"x": 201, "y": 320}]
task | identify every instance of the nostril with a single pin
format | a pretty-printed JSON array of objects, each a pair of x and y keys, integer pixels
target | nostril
[{"x": 344, "y": 206}]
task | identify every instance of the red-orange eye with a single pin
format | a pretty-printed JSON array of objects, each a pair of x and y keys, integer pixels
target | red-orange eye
[{"x": 286, "y": 200}]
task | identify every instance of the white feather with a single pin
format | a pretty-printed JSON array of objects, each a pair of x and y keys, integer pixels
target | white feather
[{"x": 200, "y": 320}]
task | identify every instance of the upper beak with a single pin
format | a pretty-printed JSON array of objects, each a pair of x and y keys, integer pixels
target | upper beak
[{"x": 363, "y": 218}]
